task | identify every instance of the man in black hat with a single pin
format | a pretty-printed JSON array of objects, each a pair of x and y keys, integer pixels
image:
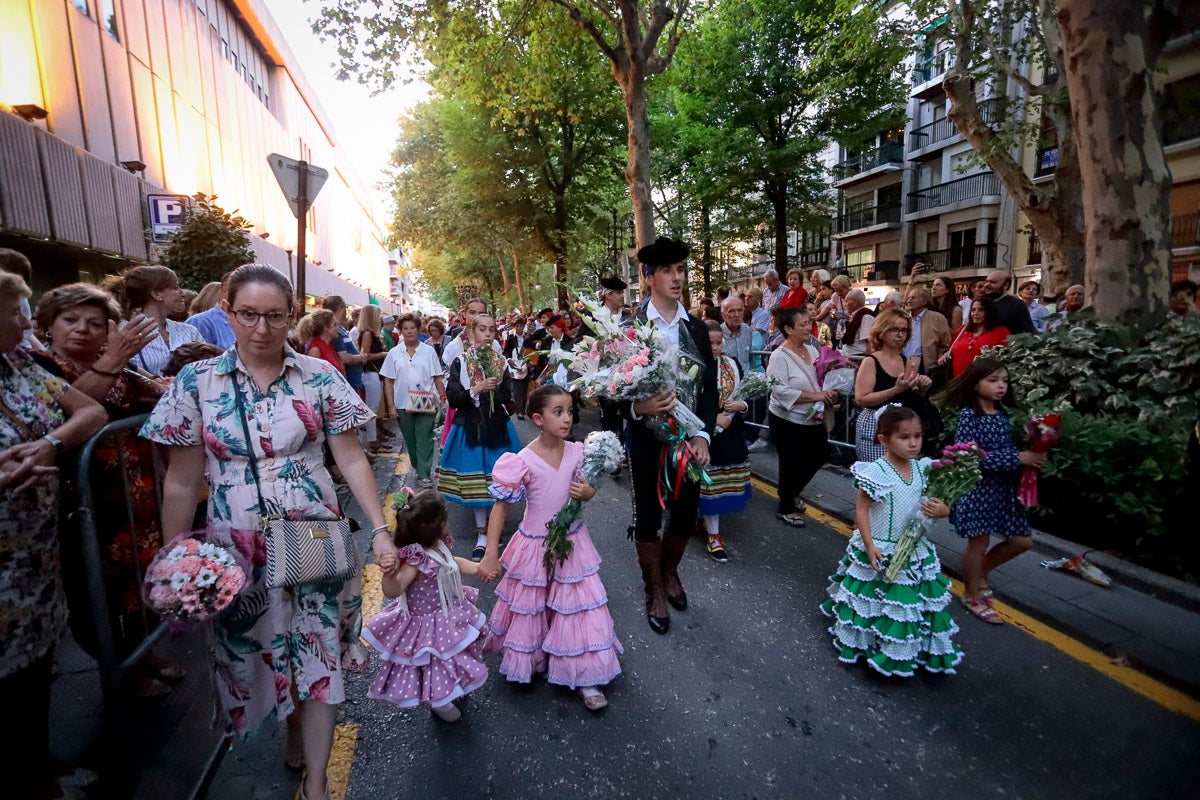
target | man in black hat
[{"x": 662, "y": 264}]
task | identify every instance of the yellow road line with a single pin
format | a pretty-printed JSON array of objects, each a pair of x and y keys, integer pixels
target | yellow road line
[
  {"x": 341, "y": 759},
  {"x": 1169, "y": 698}
]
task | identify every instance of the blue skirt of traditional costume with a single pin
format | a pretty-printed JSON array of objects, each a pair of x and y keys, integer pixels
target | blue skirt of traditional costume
[{"x": 465, "y": 472}]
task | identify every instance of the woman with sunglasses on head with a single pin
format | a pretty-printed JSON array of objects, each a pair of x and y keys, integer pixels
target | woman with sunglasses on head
[{"x": 263, "y": 410}]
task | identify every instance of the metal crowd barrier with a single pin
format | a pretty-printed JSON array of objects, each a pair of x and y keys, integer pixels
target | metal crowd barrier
[{"x": 113, "y": 670}]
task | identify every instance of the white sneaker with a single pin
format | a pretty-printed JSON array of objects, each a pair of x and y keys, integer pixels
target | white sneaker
[{"x": 759, "y": 444}]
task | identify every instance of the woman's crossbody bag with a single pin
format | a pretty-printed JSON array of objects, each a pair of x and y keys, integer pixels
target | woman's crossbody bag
[{"x": 300, "y": 551}]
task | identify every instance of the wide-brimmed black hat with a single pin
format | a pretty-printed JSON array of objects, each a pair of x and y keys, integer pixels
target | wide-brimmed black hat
[
  {"x": 664, "y": 251},
  {"x": 613, "y": 284}
]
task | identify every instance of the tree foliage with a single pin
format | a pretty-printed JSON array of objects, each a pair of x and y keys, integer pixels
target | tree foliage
[
  {"x": 210, "y": 243},
  {"x": 765, "y": 85}
]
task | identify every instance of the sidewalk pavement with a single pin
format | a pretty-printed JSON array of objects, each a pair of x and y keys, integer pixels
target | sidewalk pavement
[{"x": 1148, "y": 619}]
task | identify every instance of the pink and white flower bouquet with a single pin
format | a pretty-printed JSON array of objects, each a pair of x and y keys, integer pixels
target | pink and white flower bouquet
[{"x": 191, "y": 580}]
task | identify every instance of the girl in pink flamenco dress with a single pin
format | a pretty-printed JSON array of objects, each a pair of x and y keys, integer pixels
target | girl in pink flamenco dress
[
  {"x": 555, "y": 622},
  {"x": 428, "y": 636}
]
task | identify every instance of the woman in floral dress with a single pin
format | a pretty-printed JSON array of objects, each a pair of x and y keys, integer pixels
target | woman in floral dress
[
  {"x": 39, "y": 416},
  {"x": 275, "y": 643}
]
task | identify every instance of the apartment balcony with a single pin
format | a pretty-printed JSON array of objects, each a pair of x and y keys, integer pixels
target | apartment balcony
[
  {"x": 864, "y": 220},
  {"x": 810, "y": 259},
  {"x": 929, "y": 139},
  {"x": 748, "y": 272},
  {"x": 979, "y": 257},
  {"x": 927, "y": 74},
  {"x": 888, "y": 158},
  {"x": 1185, "y": 231},
  {"x": 882, "y": 271},
  {"x": 1047, "y": 162},
  {"x": 982, "y": 187}
]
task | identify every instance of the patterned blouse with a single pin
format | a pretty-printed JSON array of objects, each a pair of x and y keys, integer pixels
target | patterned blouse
[{"x": 33, "y": 609}]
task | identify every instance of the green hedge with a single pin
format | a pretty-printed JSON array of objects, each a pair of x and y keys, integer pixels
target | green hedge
[{"x": 1121, "y": 479}]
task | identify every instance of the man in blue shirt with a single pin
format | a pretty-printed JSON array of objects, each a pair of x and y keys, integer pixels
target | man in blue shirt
[
  {"x": 213, "y": 324},
  {"x": 346, "y": 349}
]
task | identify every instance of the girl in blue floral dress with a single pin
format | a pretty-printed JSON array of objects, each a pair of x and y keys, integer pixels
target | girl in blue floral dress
[{"x": 982, "y": 394}]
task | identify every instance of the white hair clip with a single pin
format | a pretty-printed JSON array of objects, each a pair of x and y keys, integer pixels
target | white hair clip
[{"x": 881, "y": 409}]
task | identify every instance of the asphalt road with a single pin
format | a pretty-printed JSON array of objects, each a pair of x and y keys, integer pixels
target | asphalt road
[{"x": 745, "y": 699}]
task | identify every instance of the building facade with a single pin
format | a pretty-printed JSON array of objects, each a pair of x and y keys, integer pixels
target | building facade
[
  {"x": 109, "y": 107},
  {"x": 915, "y": 194}
]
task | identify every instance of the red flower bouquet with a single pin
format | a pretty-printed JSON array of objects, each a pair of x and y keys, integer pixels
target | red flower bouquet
[{"x": 1042, "y": 430}]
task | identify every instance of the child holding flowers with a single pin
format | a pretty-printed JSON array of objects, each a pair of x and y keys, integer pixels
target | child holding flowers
[
  {"x": 481, "y": 431},
  {"x": 982, "y": 393},
  {"x": 730, "y": 467},
  {"x": 900, "y": 624},
  {"x": 550, "y": 615}
]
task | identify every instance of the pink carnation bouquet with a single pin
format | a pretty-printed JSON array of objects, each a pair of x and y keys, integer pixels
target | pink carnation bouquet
[{"x": 191, "y": 580}]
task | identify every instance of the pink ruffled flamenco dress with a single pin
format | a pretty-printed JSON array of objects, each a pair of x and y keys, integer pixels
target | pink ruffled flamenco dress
[
  {"x": 556, "y": 623},
  {"x": 429, "y": 637}
]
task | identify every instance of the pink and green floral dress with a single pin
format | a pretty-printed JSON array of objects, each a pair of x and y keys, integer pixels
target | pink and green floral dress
[{"x": 271, "y": 638}]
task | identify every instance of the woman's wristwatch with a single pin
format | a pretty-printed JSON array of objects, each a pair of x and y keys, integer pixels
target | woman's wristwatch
[{"x": 55, "y": 442}]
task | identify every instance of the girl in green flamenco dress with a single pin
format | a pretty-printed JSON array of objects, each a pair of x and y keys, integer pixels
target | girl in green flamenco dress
[{"x": 896, "y": 626}]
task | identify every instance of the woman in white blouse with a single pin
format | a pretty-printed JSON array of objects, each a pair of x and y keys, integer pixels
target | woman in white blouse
[
  {"x": 796, "y": 428},
  {"x": 154, "y": 293},
  {"x": 414, "y": 387}
]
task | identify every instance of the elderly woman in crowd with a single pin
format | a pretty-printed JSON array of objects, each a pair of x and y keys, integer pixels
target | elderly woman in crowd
[
  {"x": 983, "y": 329},
  {"x": 885, "y": 377},
  {"x": 414, "y": 389},
  {"x": 41, "y": 417},
  {"x": 891, "y": 301},
  {"x": 89, "y": 351},
  {"x": 154, "y": 292},
  {"x": 799, "y": 436},
  {"x": 261, "y": 400}
]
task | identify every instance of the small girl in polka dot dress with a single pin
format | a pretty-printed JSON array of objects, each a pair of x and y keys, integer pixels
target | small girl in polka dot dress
[{"x": 428, "y": 636}]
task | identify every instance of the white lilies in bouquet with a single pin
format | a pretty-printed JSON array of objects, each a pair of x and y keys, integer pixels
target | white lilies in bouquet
[{"x": 602, "y": 454}]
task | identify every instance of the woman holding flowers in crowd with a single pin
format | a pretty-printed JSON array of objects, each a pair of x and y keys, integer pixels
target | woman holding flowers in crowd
[
  {"x": 551, "y": 613},
  {"x": 479, "y": 392},
  {"x": 275, "y": 645},
  {"x": 983, "y": 394},
  {"x": 895, "y": 623}
]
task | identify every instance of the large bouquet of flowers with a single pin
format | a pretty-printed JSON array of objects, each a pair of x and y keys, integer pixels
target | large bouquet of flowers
[
  {"x": 950, "y": 478},
  {"x": 483, "y": 362},
  {"x": 602, "y": 453},
  {"x": 754, "y": 386},
  {"x": 635, "y": 363},
  {"x": 1042, "y": 430},
  {"x": 190, "y": 580}
]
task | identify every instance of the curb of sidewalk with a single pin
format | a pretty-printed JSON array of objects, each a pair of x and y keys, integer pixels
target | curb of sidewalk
[{"x": 1162, "y": 587}]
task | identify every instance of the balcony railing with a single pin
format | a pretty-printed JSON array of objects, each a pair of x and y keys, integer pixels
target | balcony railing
[
  {"x": 1047, "y": 162},
  {"x": 943, "y": 194},
  {"x": 810, "y": 258},
  {"x": 980, "y": 256},
  {"x": 942, "y": 129},
  {"x": 874, "y": 271},
  {"x": 863, "y": 162},
  {"x": 1185, "y": 230},
  {"x": 867, "y": 217},
  {"x": 930, "y": 68}
]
